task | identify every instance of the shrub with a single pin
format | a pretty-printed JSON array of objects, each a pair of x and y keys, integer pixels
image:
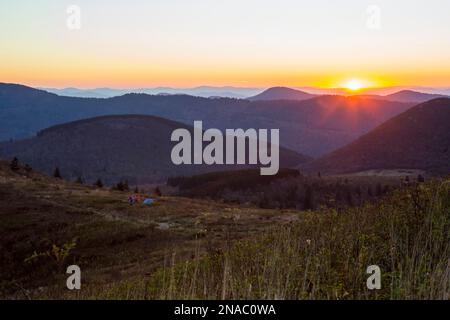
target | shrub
[
  {"x": 325, "y": 256},
  {"x": 56, "y": 173},
  {"x": 99, "y": 183},
  {"x": 14, "y": 165}
]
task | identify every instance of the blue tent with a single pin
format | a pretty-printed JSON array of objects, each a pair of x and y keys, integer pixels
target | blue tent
[{"x": 149, "y": 201}]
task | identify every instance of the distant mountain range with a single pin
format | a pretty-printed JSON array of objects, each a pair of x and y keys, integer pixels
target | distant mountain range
[
  {"x": 411, "y": 96},
  {"x": 313, "y": 127},
  {"x": 203, "y": 91},
  {"x": 281, "y": 93},
  {"x": 378, "y": 91},
  {"x": 126, "y": 147},
  {"x": 416, "y": 139},
  {"x": 242, "y": 92},
  {"x": 274, "y": 93}
]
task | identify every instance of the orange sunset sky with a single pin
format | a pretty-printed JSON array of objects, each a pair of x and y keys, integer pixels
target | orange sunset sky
[{"x": 137, "y": 43}]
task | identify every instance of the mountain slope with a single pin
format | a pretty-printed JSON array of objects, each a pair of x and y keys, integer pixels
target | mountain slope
[
  {"x": 416, "y": 139},
  {"x": 281, "y": 93},
  {"x": 314, "y": 127},
  {"x": 411, "y": 96},
  {"x": 132, "y": 147}
]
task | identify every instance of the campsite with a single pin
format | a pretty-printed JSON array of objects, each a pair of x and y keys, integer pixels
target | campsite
[
  {"x": 168, "y": 249},
  {"x": 98, "y": 229}
]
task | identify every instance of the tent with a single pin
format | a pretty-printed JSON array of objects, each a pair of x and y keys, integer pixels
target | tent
[{"x": 149, "y": 201}]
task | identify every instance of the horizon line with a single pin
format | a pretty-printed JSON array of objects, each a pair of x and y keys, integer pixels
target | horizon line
[{"x": 307, "y": 89}]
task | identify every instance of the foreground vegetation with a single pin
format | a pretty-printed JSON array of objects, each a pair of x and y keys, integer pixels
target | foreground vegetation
[
  {"x": 322, "y": 256},
  {"x": 47, "y": 224},
  {"x": 289, "y": 189},
  {"x": 184, "y": 248}
]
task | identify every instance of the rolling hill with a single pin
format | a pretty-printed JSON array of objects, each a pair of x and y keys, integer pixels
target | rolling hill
[
  {"x": 411, "y": 96},
  {"x": 416, "y": 139},
  {"x": 314, "y": 127},
  {"x": 282, "y": 93},
  {"x": 132, "y": 147}
]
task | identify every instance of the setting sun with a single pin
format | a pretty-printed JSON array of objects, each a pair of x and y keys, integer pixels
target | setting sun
[{"x": 353, "y": 85}]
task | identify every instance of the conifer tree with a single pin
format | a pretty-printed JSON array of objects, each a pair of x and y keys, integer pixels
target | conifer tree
[
  {"x": 14, "y": 164},
  {"x": 99, "y": 183},
  {"x": 56, "y": 173}
]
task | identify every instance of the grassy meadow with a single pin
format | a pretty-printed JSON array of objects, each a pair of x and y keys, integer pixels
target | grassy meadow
[{"x": 183, "y": 248}]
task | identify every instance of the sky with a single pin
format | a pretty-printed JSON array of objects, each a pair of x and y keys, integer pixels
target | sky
[{"x": 247, "y": 43}]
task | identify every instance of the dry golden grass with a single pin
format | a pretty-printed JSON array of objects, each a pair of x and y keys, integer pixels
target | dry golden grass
[
  {"x": 113, "y": 241},
  {"x": 322, "y": 256},
  {"x": 196, "y": 249}
]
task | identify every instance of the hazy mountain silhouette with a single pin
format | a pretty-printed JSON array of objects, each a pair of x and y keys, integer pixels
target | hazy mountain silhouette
[
  {"x": 325, "y": 123},
  {"x": 132, "y": 147},
  {"x": 411, "y": 96},
  {"x": 416, "y": 139},
  {"x": 377, "y": 91},
  {"x": 313, "y": 127},
  {"x": 203, "y": 91},
  {"x": 281, "y": 93},
  {"x": 275, "y": 93},
  {"x": 88, "y": 93}
]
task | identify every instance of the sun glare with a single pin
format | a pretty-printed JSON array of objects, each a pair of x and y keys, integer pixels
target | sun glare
[{"x": 354, "y": 85}]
